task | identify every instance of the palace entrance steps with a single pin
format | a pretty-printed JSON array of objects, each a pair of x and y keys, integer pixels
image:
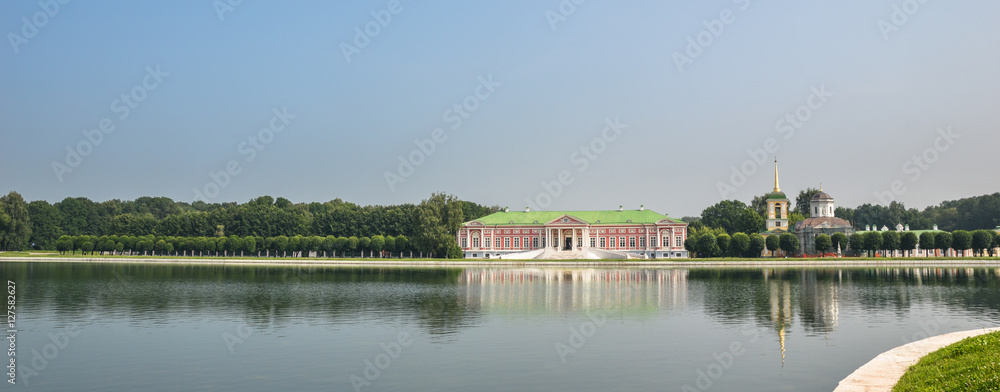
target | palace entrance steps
[{"x": 579, "y": 254}]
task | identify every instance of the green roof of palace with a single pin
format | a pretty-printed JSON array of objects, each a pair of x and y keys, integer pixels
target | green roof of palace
[{"x": 592, "y": 217}]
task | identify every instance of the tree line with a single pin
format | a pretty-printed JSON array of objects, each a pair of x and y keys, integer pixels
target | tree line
[
  {"x": 280, "y": 246},
  {"x": 716, "y": 242},
  {"x": 430, "y": 226}
]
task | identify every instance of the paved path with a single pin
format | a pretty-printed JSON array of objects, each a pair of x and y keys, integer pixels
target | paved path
[
  {"x": 882, "y": 373},
  {"x": 492, "y": 263}
]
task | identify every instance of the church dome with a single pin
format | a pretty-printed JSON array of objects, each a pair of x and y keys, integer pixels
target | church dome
[
  {"x": 822, "y": 196},
  {"x": 777, "y": 195}
]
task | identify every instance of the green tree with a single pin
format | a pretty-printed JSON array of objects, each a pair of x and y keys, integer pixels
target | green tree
[
  {"x": 873, "y": 242},
  {"x": 942, "y": 241},
  {"x": 454, "y": 252},
  {"x": 733, "y": 216},
  {"x": 64, "y": 244},
  {"x": 707, "y": 246},
  {"x": 773, "y": 243},
  {"x": 352, "y": 244},
  {"x": 802, "y": 201},
  {"x": 329, "y": 245},
  {"x": 890, "y": 241},
  {"x": 857, "y": 243},
  {"x": 438, "y": 220},
  {"x": 757, "y": 245},
  {"x": 390, "y": 244},
  {"x": 377, "y": 244},
  {"x": 402, "y": 243},
  {"x": 908, "y": 243},
  {"x": 981, "y": 239},
  {"x": 691, "y": 245},
  {"x": 838, "y": 241},
  {"x": 249, "y": 244},
  {"x": 789, "y": 243},
  {"x": 160, "y": 246},
  {"x": 364, "y": 243},
  {"x": 723, "y": 241},
  {"x": 996, "y": 242},
  {"x": 927, "y": 241},
  {"x": 739, "y": 245},
  {"x": 823, "y": 244},
  {"x": 342, "y": 243},
  {"x": 961, "y": 240},
  {"x": 15, "y": 229},
  {"x": 87, "y": 247},
  {"x": 281, "y": 245},
  {"x": 45, "y": 224},
  {"x": 794, "y": 218}
]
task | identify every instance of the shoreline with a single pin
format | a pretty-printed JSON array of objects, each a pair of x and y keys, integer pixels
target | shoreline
[
  {"x": 437, "y": 263},
  {"x": 883, "y": 372}
]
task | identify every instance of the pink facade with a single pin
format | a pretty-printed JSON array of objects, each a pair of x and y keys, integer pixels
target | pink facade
[{"x": 660, "y": 239}]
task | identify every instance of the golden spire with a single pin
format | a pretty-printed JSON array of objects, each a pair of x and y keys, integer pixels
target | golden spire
[{"x": 776, "y": 188}]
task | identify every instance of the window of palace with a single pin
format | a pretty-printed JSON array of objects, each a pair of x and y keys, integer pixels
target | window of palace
[
  {"x": 486, "y": 242},
  {"x": 506, "y": 242},
  {"x": 464, "y": 242},
  {"x": 475, "y": 242},
  {"x": 534, "y": 242},
  {"x": 593, "y": 242},
  {"x": 642, "y": 242},
  {"x": 621, "y": 242},
  {"x": 631, "y": 242},
  {"x": 678, "y": 242},
  {"x": 604, "y": 242},
  {"x": 652, "y": 242},
  {"x": 517, "y": 242}
]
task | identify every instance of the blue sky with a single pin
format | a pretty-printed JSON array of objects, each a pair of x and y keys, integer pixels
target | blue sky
[{"x": 557, "y": 81}]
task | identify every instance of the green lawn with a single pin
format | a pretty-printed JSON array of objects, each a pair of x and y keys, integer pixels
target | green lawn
[{"x": 970, "y": 365}]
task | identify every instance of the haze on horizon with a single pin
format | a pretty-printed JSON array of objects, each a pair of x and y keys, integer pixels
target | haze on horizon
[{"x": 630, "y": 103}]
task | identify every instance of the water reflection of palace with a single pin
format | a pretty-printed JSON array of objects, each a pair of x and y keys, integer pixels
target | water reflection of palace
[{"x": 572, "y": 290}]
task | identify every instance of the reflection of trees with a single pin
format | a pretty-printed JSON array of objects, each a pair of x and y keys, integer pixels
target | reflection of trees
[
  {"x": 262, "y": 296},
  {"x": 445, "y": 301},
  {"x": 776, "y": 297}
]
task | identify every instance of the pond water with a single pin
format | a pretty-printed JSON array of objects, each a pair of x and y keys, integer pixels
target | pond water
[{"x": 153, "y": 327}]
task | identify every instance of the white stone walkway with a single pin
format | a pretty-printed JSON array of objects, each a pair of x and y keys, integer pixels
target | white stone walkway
[{"x": 882, "y": 373}]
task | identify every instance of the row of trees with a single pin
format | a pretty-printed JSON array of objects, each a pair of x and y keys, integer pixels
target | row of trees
[
  {"x": 280, "y": 246},
  {"x": 432, "y": 224},
  {"x": 715, "y": 242},
  {"x": 980, "y": 242}
]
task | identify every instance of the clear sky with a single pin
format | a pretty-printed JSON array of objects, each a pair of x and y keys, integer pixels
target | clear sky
[{"x": 845, "y": 93}]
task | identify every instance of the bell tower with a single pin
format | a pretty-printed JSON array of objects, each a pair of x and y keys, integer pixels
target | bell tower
[{"x": 777, "y": 205}]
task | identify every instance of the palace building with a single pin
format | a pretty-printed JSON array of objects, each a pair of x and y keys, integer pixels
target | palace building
[{"x": 613, "y": 234}]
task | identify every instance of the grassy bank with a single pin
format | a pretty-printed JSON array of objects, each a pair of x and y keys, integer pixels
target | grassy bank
[{"x": 972, "y": 364}]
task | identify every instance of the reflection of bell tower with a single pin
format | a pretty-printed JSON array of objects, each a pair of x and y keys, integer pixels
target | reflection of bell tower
[
  {"x": 777, "y": 206},
  {"x": 781, "y": 311}
]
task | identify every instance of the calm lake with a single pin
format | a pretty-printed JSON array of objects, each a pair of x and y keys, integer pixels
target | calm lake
[{"x": 146, "y": 327}]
